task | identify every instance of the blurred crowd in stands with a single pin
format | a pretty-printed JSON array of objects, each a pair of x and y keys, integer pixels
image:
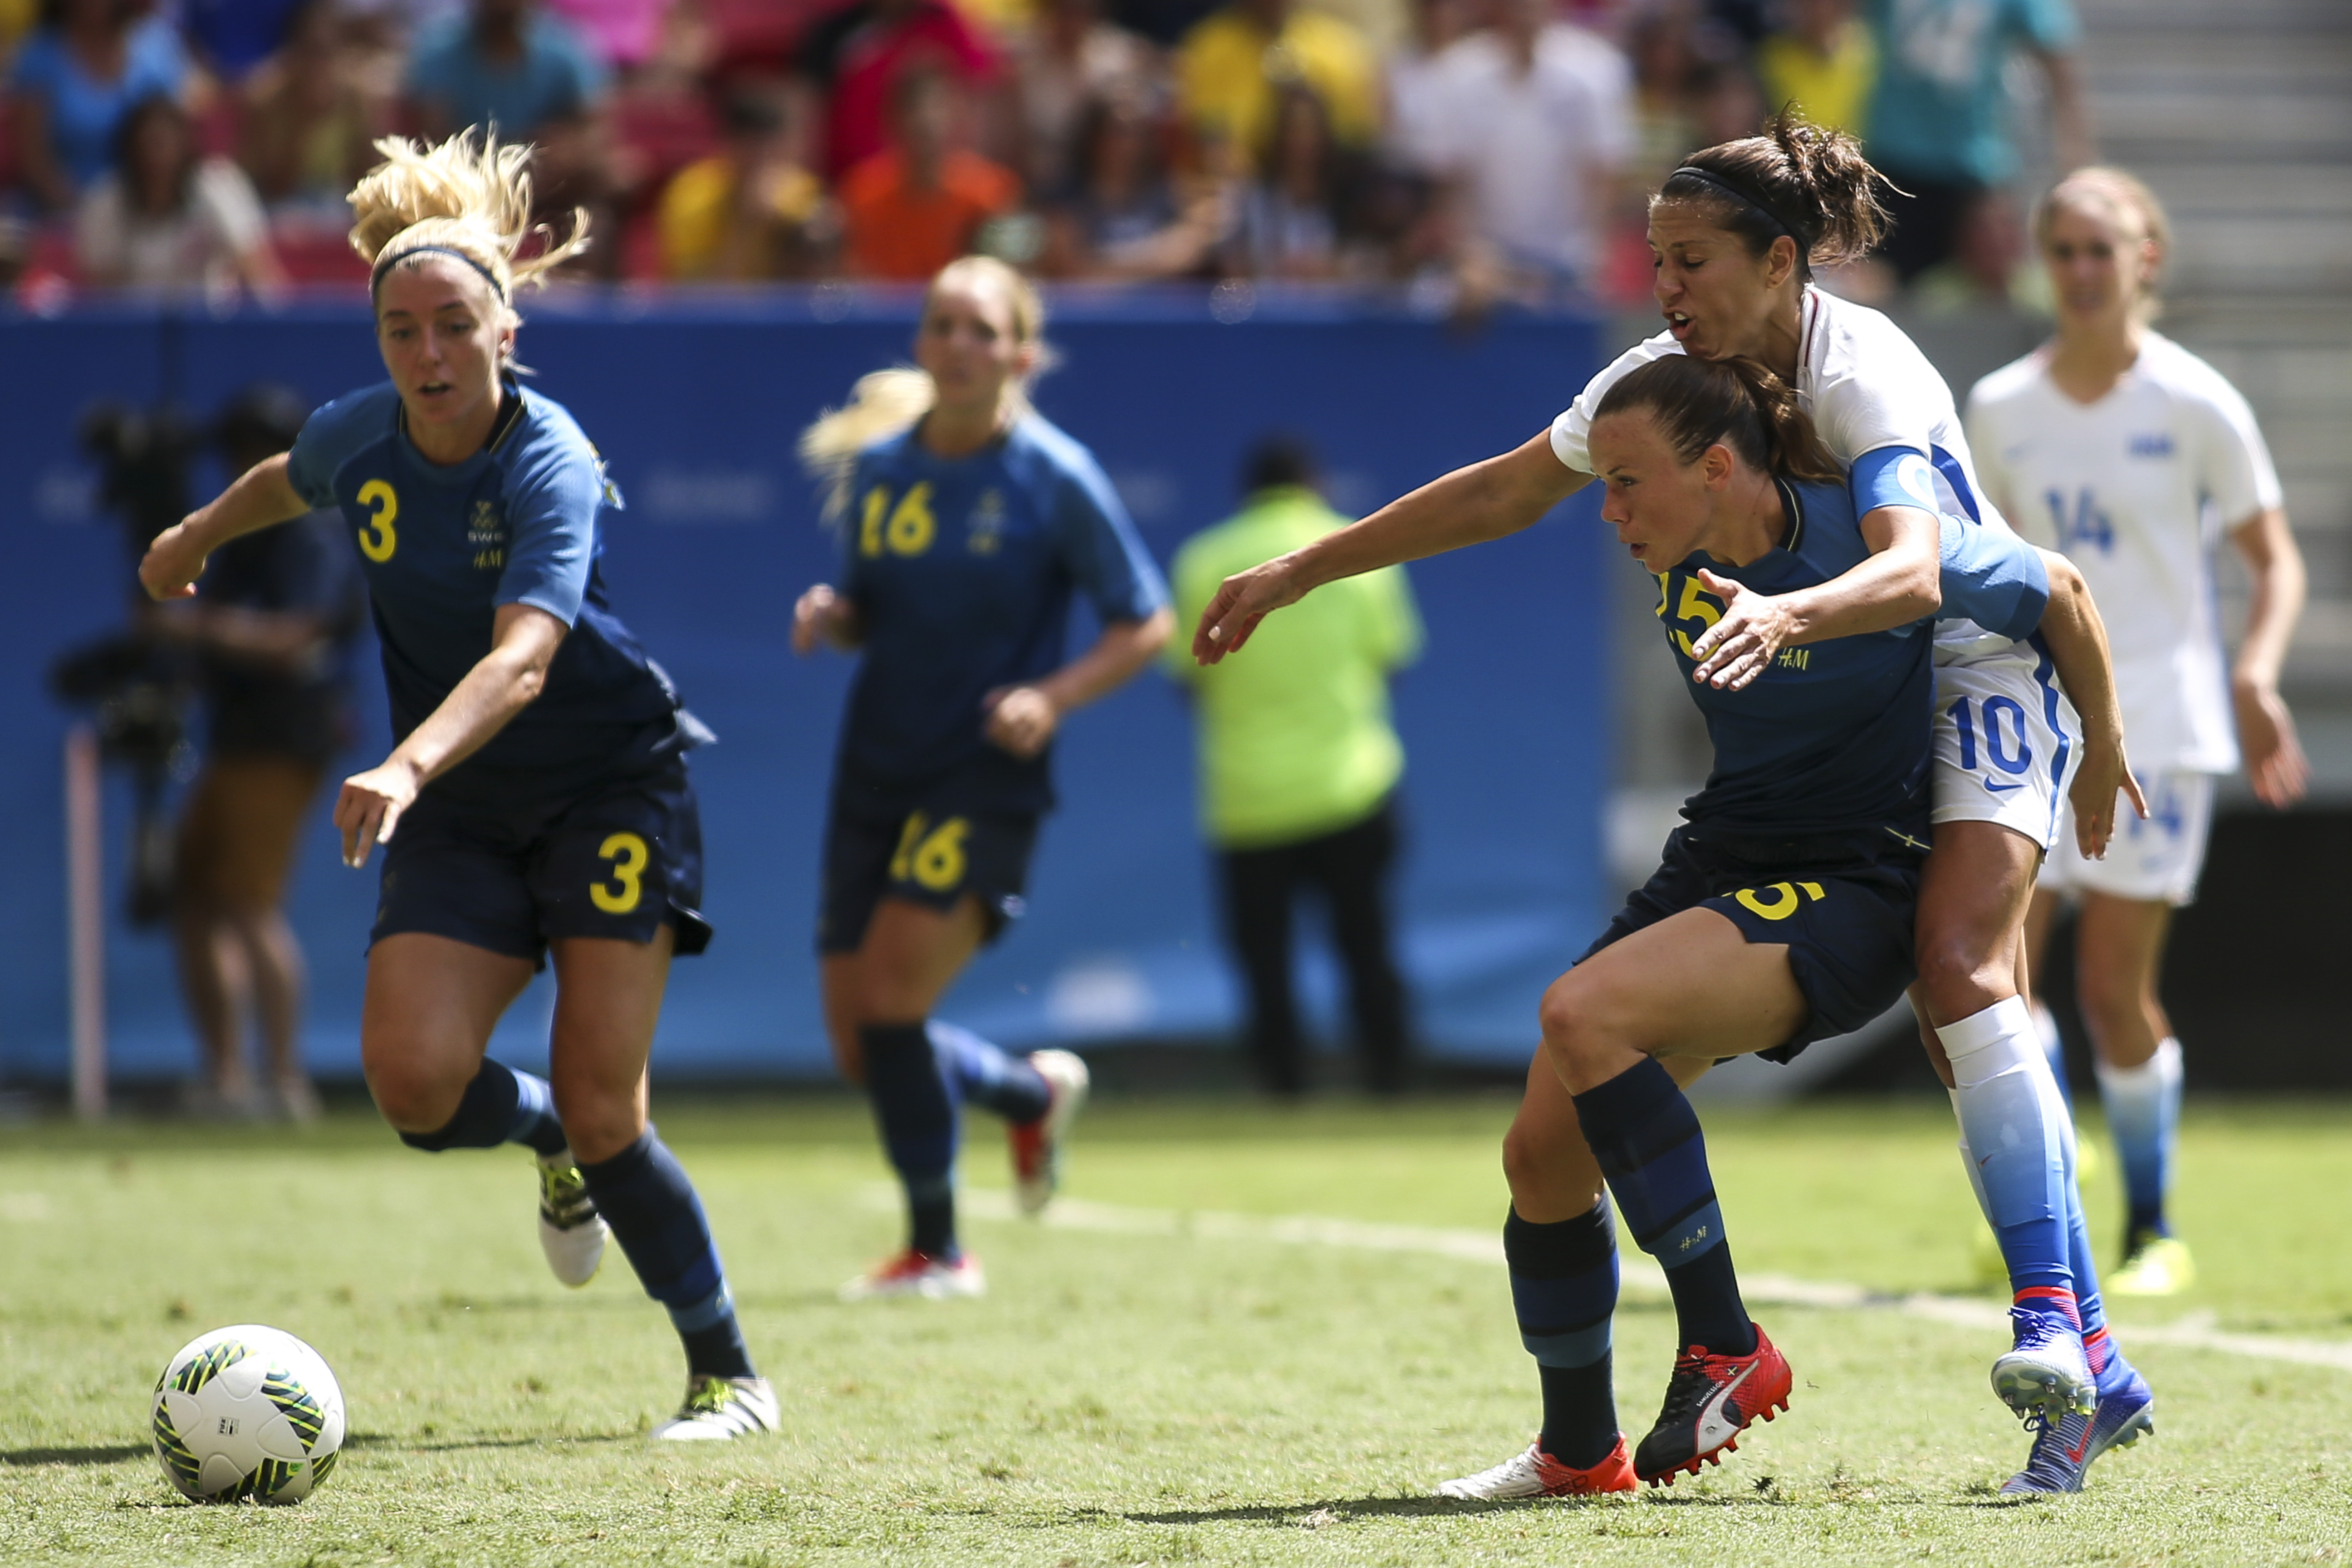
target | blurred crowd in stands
[{"x": 1472, "y": 150}]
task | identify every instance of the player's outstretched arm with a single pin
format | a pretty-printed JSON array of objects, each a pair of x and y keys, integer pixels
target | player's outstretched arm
[
  {"x": 824, "y": 617},
  {"x": 507, "y": 681},
  {"x": 1899, "y": 583},
  {"x": 261, "y": 498},
  {"x": 1022, "y": 719},
  {"x": 1469, "y": 506},
  {"x": 2077, "y": 639}
]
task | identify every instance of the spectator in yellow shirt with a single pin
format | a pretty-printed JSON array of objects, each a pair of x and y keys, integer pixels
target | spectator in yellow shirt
[
  {"x": 1228, "y": 68},
  {"x": 750, "y": 212},
  {"x": 1822, "y": 59},
  {"x": 1299, "y": 766}
]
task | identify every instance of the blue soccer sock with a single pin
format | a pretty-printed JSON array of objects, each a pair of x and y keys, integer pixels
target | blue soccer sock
[
  {"x": 979, "y": 1073},
  {"x": 1564, "y": 1289},
  {"x": 2054, "y": 1048},
  {"x": 917, "y": 1114},
  {"x": 2107, "y": 1358},
  {"x": 499, "y": 1106},
  {"x": 643, "y": 1195},
  {"x": 2003, "y": 1098},
  {"x": 1642, "y": 1131},
  {"x": 2143, "y": 1106}
]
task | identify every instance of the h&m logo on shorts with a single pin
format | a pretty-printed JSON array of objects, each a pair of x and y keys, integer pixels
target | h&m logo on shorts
[
  {"x": 2157, "y": 446},
  {"x": 486, "y": 536}
]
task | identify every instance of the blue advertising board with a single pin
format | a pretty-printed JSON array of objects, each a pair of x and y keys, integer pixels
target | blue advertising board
[{"x": 695, "y": 405}]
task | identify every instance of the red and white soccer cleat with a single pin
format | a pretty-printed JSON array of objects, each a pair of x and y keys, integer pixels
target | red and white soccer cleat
[
  {"x": 1537, "y": 1474},
  {"x": 1710, "y": 1401},
  {"x": 1037, "y": 1147},
  {"x": 918, "y": 1274}
]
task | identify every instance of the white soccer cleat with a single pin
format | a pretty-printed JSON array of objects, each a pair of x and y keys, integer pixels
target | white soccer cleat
[
  {"x": 2045, "y": 1374},
  {"x": 1037, "y": 1147},
  {"x": 719, "y": 1408},
  {"x": 1537, "y": 1474},
  {"x": 571, "y": 1232},
  {"x": 918, "y": 1275}
]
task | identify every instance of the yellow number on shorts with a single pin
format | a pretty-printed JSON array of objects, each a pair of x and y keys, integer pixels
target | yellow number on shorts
[
  {"x": 1783, "y": 896},
  {"x": 377, "y": 540},
  {"x": 931, "y": 857},
  {"x": 627, "y": 853},
  {"x": 911, "y": 528}
]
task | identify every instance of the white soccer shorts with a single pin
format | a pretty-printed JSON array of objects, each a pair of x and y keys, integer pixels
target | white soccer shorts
[
  {"x": 2155, "y": 861},
  {"x": 2007, "y": 743}
]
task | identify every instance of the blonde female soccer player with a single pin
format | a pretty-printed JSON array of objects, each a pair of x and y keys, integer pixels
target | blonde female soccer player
[
  {"x": 1734, "y": 234},
  {"x": 2120, "y": 447},
  {"x": 537, "y": 803},
  {"x": 969, "y": 523}
]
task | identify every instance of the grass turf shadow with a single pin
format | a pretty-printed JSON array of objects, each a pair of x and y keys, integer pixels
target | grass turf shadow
[
  {"x": 1335, "y": 1509},
  {"x": 92, "y": 1454}
]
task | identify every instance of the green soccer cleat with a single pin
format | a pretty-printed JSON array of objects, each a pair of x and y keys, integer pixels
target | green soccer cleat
[
  {"x": 571, "y": 1232},
  {"x": 2154, "y": 1266}
]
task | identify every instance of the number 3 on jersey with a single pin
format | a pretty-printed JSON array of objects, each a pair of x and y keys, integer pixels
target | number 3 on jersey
[
  {"x": 911, "y": 528},
  {"x": 377, "y": 540},
  {"x": 1696, "y": 611}
]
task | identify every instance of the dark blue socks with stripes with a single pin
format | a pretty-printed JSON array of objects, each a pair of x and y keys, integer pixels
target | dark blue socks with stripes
[
  {"x": 499, "y": 1106},
  {"x": 1564, "y": 1289},
  {"x": 917, "y": 1115},
  {"x": 643, "y": 1195},
  {"x": 1642, "y": 1131},
  {"x": 979, "y": 1073},
  {"x": 918, "y": 1075}
]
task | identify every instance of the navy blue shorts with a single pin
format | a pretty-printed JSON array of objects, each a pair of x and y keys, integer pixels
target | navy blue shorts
[
  {"x": 932, "y": 856},
  {"x": 619, "y": 861},
  {"x": 1843, "y": 905}
]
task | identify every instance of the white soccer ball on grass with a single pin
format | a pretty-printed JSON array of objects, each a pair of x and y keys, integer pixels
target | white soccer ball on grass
[{"x": 248, "y": 1412}]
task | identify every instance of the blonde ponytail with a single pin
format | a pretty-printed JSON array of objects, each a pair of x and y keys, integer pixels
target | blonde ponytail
[
  {"x": 890, "y": 402},
  {"x": 467, "y": 194}
]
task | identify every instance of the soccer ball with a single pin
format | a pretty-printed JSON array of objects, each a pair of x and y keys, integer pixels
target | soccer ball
[{"x": 248, "y": 1412}]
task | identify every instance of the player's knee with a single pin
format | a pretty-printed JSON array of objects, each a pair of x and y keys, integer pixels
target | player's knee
[
  {"x": 412, "y": 1095},
  {"x": 1957, "y": 974},
  {"x": 600, "y": 1118},
  {"x": 1574, "y": 1016}
]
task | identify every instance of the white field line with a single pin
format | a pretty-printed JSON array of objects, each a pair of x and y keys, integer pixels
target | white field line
[{"x": 1641, "y": 1275}]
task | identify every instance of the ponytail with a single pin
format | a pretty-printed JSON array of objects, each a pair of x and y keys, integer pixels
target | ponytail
[
  {"x": 887, "y": 403},
  {"x": 1799, "y": 179},
  {"x": 1734, "y": 403},
  {"x": 468, "y": 197}
]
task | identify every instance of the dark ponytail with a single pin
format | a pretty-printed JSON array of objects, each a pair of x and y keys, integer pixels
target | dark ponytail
[
  {"x": 1734, "y": 403},
  {"x": 1799, "y": 179}
]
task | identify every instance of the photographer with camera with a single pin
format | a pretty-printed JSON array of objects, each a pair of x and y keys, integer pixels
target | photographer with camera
[{"x": 270, "y": 631}]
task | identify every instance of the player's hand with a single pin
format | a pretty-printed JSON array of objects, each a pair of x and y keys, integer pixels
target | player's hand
[
  {"x": 173, "y": 563},
  {"x": 2276, "y": 764},
  {"x": 1243, "y": 600},
  {"x": 1740, "y": 647},
  {"x": 1021, "y": 720},
  {"x": 822, "y": 615},
  {"x": 370, "y": 807},
  {"x": 2105, "y": 774}
]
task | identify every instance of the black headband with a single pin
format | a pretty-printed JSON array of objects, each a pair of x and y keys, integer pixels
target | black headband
[
  {"x": 386, "y": 264},
  {"x": 1746, "y": 197}
]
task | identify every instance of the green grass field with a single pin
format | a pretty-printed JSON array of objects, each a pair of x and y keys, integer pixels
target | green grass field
[{"x": 1211, "y": 1395}]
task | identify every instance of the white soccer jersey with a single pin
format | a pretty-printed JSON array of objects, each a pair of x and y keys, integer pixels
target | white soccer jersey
[
  {"x": 2137, "y": 488},
  {"x": 1866, "y": 385}
]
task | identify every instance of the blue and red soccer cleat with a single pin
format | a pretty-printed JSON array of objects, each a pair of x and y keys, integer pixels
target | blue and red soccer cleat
[{"x": 1710, "y": 1401}]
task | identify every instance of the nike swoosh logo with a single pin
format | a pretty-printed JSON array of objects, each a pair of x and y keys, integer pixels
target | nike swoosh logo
[
  {"x": 1712, "y": 1427},
  {"x": 2000, "y": 789},
  {"x": 2078, "y": 1450}
]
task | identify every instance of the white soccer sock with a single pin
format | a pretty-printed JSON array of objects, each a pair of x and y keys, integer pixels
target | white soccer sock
[
  {"x": 2010, "y": 1138},
  {"x": 2143, "y": 1106}
]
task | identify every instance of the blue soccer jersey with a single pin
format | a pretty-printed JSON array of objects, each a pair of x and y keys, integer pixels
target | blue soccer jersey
[
  {"x": 443, "y": 546},
  {"x": 963, "y": 570},
  {"x": 1834, "y": 736}
]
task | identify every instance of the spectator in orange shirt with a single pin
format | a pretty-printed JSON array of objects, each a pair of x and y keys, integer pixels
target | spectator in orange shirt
[{"x": 915, "y": 208}]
